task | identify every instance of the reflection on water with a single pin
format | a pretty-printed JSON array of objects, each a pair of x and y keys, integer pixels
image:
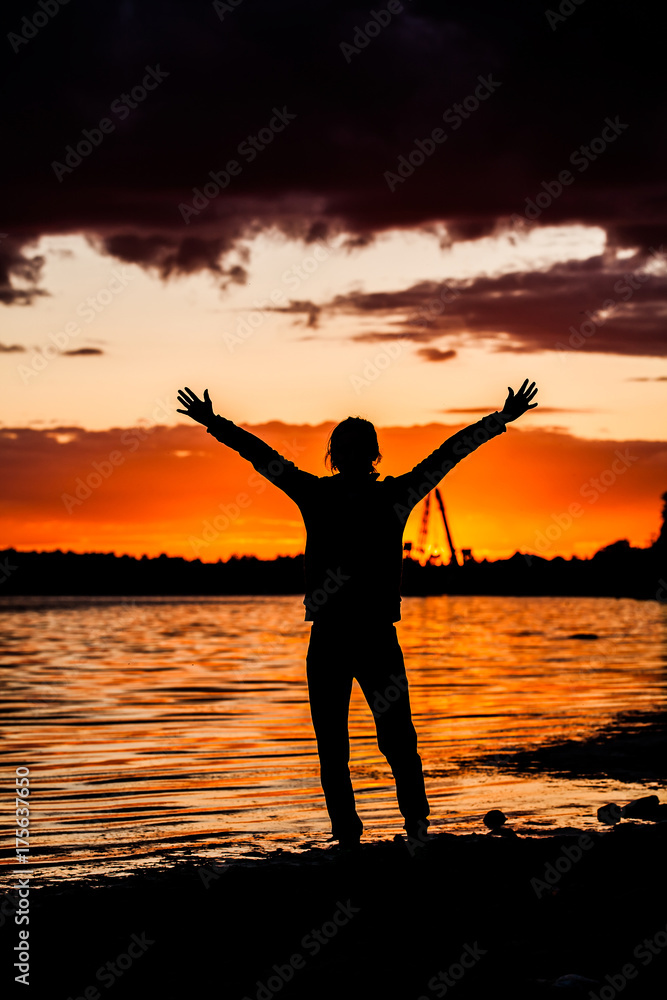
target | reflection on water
[{"x": 162, "y": 727}]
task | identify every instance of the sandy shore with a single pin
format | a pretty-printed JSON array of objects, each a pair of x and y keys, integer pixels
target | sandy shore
[{"x": 461, "y": 916}]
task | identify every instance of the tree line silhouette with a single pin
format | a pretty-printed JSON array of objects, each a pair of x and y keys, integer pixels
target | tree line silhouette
[{"x": 617, "y": 570}]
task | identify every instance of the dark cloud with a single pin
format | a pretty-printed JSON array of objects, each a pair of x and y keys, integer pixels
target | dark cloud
[
  {"x": 376, "y": 336},
  {"x": 17, "y": 266},
  {"x": 602, "y": 304},
  {"x": 435, "y": 354},
  {"x": 646, "y": 378},
  {"x": 82, "y": 351},
  {"x": 171, "y": 256},
  {"x": 355, "y": 116},
  {"x": 310, "y": 309},
  {"x": 11, "y": 348}
]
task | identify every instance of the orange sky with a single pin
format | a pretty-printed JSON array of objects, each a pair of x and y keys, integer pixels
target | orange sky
[
  {"x": 160, "y": 489},
  {"x": 351, "y": 341}
]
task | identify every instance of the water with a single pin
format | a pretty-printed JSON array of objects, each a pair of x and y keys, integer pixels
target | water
[{"x": 163, "y": 728}]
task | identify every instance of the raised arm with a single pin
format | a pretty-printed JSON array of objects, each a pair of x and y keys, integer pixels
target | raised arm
[
  {"x": 411, "y": 487},
  {"x": 266, "y": 460}
]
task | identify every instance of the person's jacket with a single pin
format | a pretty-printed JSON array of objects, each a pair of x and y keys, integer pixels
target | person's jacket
[{"x": 354, "y": 524}]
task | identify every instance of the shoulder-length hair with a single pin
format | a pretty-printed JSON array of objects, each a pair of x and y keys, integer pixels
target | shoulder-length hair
[{"x": 353, "y": 445}]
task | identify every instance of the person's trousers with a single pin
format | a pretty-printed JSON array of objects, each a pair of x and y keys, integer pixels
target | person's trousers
[{"x": 337, "y": 654}]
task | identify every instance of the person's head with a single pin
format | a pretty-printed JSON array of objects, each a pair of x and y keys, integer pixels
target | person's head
[{"x": 353, "y": 447}]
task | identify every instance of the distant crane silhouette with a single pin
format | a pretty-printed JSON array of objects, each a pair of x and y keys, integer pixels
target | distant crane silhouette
[{"x": 420, "y": 547}]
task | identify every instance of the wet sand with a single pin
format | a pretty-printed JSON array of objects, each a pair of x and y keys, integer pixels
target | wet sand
[
  {"x": 490, "y": 915},
  {"x": 630, "y": 748}
]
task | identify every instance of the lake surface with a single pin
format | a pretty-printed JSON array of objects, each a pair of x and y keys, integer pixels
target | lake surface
[{"x": 164, "y": 728}]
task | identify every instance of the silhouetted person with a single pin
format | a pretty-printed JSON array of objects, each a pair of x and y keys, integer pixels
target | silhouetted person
[{"x": 353, "y": 563}]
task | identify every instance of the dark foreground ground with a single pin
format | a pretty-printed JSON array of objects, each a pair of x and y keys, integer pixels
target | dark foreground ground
[{"x": 459, "y": 916}]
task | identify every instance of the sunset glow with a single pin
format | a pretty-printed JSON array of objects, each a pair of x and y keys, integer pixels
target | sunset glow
[{"x": 176, "y": 490}]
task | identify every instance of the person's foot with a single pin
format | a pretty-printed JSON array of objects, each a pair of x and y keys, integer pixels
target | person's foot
[
  {"x": 416, "y": 829},
  {"x": 417, "y": 834},
  {"x": 349, "y": 843}
]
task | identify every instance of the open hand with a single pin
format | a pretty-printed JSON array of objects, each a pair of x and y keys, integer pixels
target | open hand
[
  {"x": 200, "y": 410},
  {"x": 516, "y": 405}
]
